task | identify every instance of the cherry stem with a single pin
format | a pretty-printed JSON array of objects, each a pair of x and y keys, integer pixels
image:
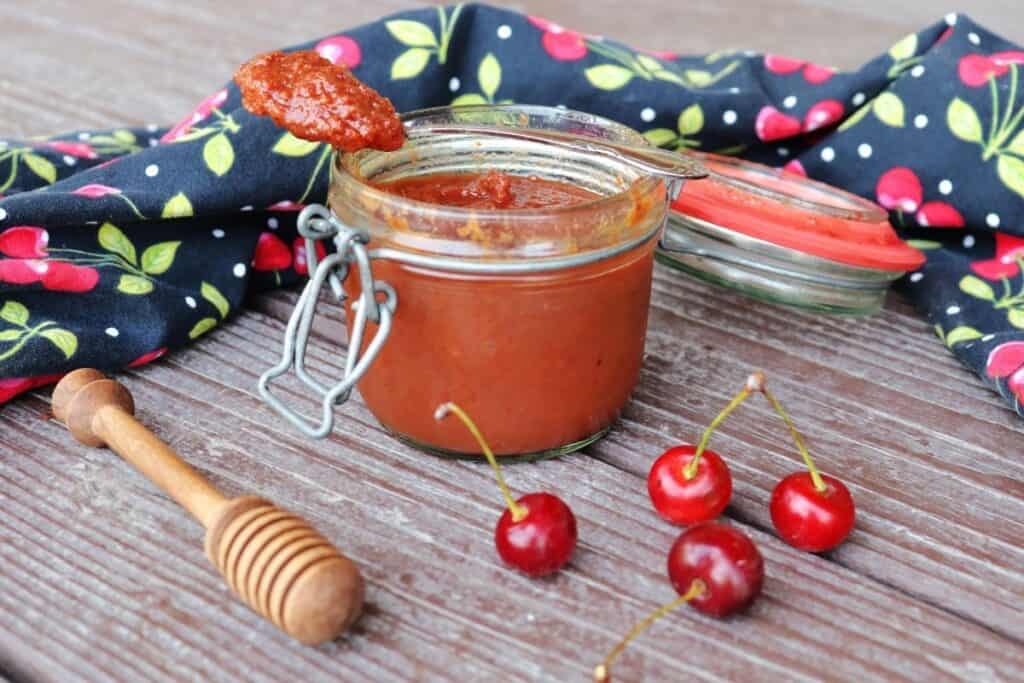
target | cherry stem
[
  {"x": 601, "y": 671},
  {"x": 819, "y": 483},
  {"x": 518, "y": 511},
  {"x": 690, "y": 470}
]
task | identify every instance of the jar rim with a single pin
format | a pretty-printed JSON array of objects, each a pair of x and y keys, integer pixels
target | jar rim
[{"x": 625, "y": 198}]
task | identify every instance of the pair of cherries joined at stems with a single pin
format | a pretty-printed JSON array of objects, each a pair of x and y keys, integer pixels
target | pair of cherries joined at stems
[{"x": 713, "y": 566}]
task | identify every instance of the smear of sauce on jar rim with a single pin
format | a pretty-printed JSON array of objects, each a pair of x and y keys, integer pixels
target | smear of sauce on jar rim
[{"x": 319, "y": 101}]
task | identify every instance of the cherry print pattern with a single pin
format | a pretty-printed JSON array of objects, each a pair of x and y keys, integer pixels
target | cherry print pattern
[{"x": 898, "y": 105}]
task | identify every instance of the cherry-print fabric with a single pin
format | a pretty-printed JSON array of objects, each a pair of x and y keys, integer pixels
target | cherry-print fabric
[{"x": 118, "y": 246}]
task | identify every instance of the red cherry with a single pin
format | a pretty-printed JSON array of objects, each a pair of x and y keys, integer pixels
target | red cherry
[
  {"x": 1007, "y": 57},
  {"x": 22, "y": 271},
  {"x": 1009, "y": 251},
  {"x": 271, "y": 253},
  {"x": 810, "y": 519},
  {"x": 772, "y": 124},
  {"x": 1016, "y": 385},
  {"x": 24, "y": 241},
  {"x": 725, "y": 560},
  {"x": 795, "y": 167},
  {"x": 340, "y": 50},
  {"x": 939, "y": 215},
  {"x": 688, "y": 500},
  {"x": 148, "y": 357},
  {"x": 564, "y": 45},
  {"x": 537, "y": 533},
  {"x": 816, "y": 74},
  {"x": 823, "y": 114},
  {"x": 1005, "y": 359},
  {"x": 95, "y": 191},
  {"x": 73, "y": 149},
  {"x": 543, "y": 541},
  {"x": 299, "y": 250},
  {"x": 975, "y": 70},
  {"x": 67, "y": 277},
  {"x": 778, "y": 64},
  {"x": 714, "y": 567},
  {"x": 204, "y": 109},
  {"x": 899, "y": 189}
]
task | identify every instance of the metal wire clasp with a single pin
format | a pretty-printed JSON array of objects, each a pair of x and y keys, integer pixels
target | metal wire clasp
[{"x": 316, "y": 222}]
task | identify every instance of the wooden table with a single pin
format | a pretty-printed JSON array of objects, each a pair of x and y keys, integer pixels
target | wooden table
[{"x": 102, "y": 578}]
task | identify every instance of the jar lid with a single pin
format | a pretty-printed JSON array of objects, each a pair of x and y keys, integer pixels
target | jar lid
[{"x": 797, "y": 213}]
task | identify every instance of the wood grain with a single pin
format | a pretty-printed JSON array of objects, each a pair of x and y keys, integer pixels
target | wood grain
[{"x": 101, "y": 577}]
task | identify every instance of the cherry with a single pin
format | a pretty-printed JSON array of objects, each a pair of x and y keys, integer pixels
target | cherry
[
  {"x": 340, "y": 49},
  {"x": 939, "y": 215},
  {"x": 537, "y": 533},
  {"x": 688, "y": 500},
  {"x": 22, "y": 271},
  {"x": 95, "y": 191},
  {"x": 822, "y": 114},
  {"x": 1007, "y": 360},
  {"x": 795, "y": 167},
  {"x": 1009, "y": 252},
  {"x": 899, "y": 189},
  {"x": 73, "y": 149},
  {"x": 810, "y": 511},
  {"x": 772, "y": 124},
  {"x": 975, "y": 70},
  {"x": 148, "y": 357},
  {"x": 689, "y": 485},
  {"x": 565, "y": 46},
  {"x": 299, "y": 251},
  {"x": 61, "y": 276},
  {"x": 778, "y": 64},
  {"x": 714, "y": 567},
  {"x": 816, "y": 74},
  {"x": 24, "y": 242},
  {"x": 811, "y": 518},
  {"x": 271, "y": 253}
]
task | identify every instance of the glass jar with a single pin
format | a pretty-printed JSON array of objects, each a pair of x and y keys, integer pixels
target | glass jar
[
  {"x": 784, "y": 238},
  {"x": 533, "y": 320}
]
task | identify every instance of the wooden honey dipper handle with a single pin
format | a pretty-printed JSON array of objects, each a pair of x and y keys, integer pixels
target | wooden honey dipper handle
[{"x": 274, "y": 560}]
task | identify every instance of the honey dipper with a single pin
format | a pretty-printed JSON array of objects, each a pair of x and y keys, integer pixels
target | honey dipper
[{"x": 275, "y": 561}]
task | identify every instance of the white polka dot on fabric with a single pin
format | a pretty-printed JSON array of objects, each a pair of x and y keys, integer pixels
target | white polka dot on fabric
[
  {"x": 272, "y": 223},
  {"x": 789, "y": 102},
  {"x": 992, "y": 220},
  {"x": 916, "y": 277},
  {"x": 152, "y": 127},
  {"x": 917, "y": 71},
  {"x": 968, "y": 241},
  {"x": 84, "y": 136},
  {"x": 152, "y": 171},
  {"x": 729, "y": 117},
  {"x": 864, "y": 150},
  {"x": 247, "y": 207},
  {"x": 951, "y": 19},
  {"x": 783, "y": 151},
  {"x": 504, "y": 31},
  {"x": 454, "y": 84},
  {"x": 153, "y": 142},
  {"x": 974, "y": 38},
  {"x": 190, "y": 302},
  {"x": 945, "y": 186},
  {"x": 734, "y": 90},
  {"x": 647, "y": 114},
  {"x": 112, "y": 332},
  {"x": 920, "y": 121},
  {"x": 70, "y": 160},
  {"x": 953, "y": 310},
  {"x": 218, "y": 233},
  {"x": 828, "y": 154},
  {"x": 858, "y": 99},
  {"x": 3, "y": 214},
  {"x": 239, "y": 270},
  {"x": 988, "y": 337}
]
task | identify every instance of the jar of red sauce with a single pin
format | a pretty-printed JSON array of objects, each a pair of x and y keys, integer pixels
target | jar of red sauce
[{"x": 532, "y": 319}]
